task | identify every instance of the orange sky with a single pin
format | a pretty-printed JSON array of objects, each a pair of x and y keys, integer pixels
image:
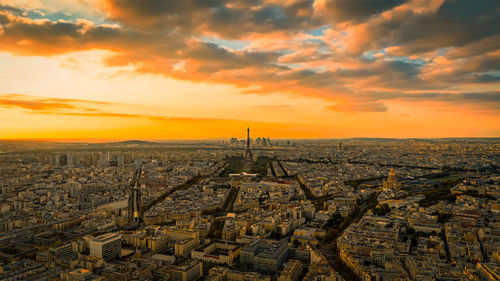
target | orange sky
[{"x": 127, "y": 69}]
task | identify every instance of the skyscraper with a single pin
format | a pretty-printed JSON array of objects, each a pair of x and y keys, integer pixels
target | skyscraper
[{"x": 134, "y": 200}]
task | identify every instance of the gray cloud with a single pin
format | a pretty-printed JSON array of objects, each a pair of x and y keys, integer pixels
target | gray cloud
[
  {"x": 456, "y": 23},
  {"x": 358, "y": 10},
  {"x": 482, "y": 100},
  {"x": 230, "y": 19}
]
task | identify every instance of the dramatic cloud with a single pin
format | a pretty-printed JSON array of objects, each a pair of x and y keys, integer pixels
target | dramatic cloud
[
  {"x": 230, "y": 19},
  {"x": 455, "y": 23},
  {"x": 354, "y": 10},
  {"x": 343, "y": 51}
]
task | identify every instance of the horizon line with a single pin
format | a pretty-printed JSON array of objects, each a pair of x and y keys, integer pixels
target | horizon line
[{"x": 106, "y": 140}]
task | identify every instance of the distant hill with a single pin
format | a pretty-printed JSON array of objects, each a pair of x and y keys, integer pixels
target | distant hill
[
  {"x": 376, "y": 139},
  {"x": 135, "y": 142}
]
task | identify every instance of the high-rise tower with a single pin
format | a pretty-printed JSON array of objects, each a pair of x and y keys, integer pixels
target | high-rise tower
[
  {"x": 134, "y": 200},
  {"x": 248, "y": 152}
]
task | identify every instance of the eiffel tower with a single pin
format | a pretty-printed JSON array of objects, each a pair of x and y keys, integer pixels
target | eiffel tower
[{"x": 248, "y": 152}]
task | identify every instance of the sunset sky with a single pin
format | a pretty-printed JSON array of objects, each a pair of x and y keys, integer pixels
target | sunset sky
[{"x": 171, "y": 69}]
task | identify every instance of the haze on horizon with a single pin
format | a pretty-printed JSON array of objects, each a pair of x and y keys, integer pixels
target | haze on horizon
[{"x": 201, "y": 69}]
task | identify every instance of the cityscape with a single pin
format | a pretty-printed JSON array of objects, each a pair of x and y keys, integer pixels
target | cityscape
[
  {"x": 242, "y": 209},
  {"x": 249, "y": 140}
]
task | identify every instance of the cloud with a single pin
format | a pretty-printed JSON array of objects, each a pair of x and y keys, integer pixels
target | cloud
[
  {"x": 52, "y": 105},
  {"x": 485, "y": 45},
  {"x": 218, "y": 58},
  {"x": 11, "y": 9},
  {"x": 44, "y": 37},
  {"x": 44, "y": 104},
  {"x": 483, "y": 68},
  {"x": 273, "y": 107},
  {"x": 354, "y": 10},
  {"x": 455, "y": 23},
  {"x": 362, "y": 48},
  {"x": 83, "y": 108},
  {"x": 34, "y": 105},
  {"x": 489, "y": 101},
  {"x": 358, "y": 107},
  {"x": 129, "y": 115},
  {"x": 230, "y": 19}
]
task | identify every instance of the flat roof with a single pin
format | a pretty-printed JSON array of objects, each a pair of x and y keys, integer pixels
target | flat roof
[{"x": 107, "y": 237}]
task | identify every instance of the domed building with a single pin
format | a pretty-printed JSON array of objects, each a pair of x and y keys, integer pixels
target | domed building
[{"x": 392, "y": 181}]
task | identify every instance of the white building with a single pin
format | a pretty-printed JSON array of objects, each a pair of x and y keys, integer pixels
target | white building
[{"x": 108, "y": 246}]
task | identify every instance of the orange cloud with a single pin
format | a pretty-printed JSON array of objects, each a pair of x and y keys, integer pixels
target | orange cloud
[
  {"x": 34, "y": 105},
  {"x": 358, "y": 107},
  {"x": 79, "y": 108},
  {"x": 44, "y": 103},
  {"x": 355, "y": 55}
]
